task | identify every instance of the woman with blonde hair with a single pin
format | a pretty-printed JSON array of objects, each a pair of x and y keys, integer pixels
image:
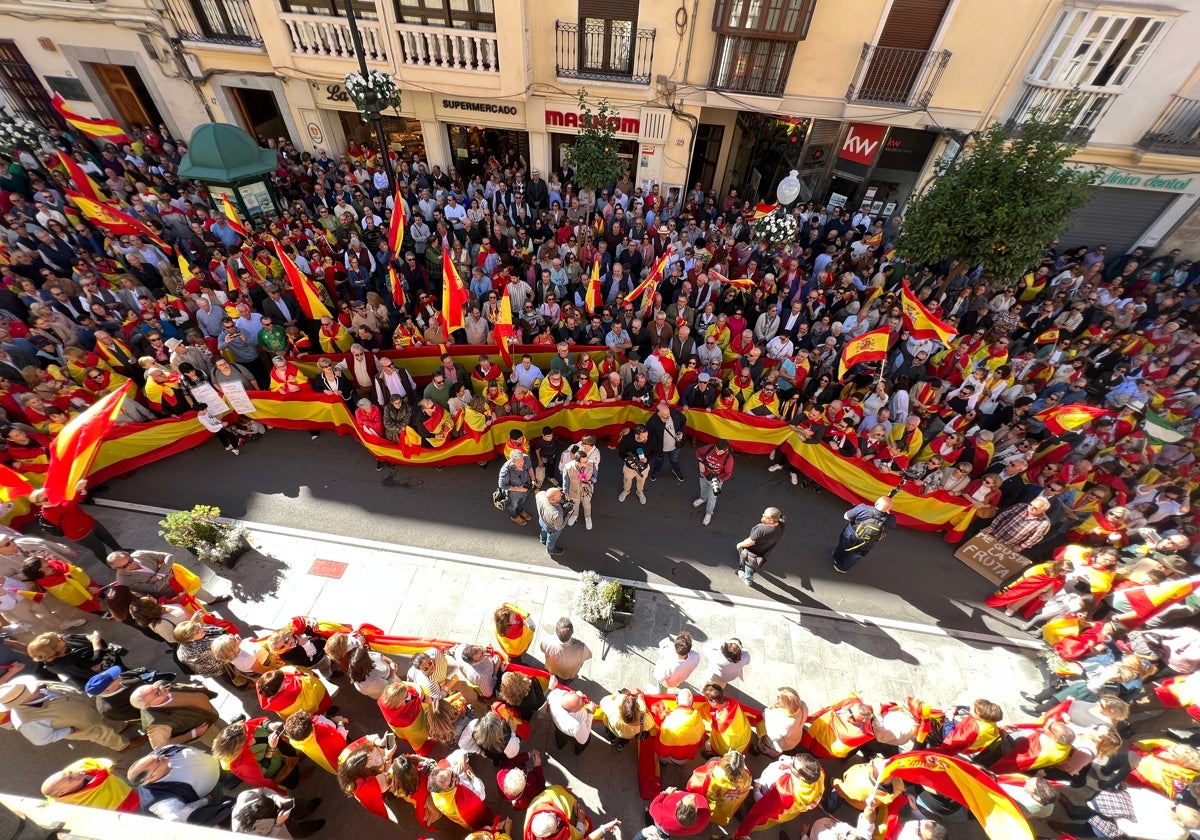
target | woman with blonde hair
[{"x": 783, "y": 722}]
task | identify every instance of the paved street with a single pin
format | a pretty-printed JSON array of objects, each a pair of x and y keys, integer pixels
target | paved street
[{"x": 443, "y": 594}]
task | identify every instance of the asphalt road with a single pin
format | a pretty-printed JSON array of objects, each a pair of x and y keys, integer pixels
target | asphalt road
[{"x": 330, "y": 485}]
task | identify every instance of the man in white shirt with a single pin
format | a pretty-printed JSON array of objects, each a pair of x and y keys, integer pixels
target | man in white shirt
[
  {"x": 526, "y": 373},
  {"x": 676, "y": 662},
  {"x": 572, "y": 714},
  {"x": 454, "y": 212},
  {"x": 726, "y": 662},
  {"x": 164, "y": 778}
]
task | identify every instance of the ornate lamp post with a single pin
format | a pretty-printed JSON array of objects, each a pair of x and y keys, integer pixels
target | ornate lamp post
[
  {"x": 788, "y": 190},
  {"x": 373, "y": 92}
]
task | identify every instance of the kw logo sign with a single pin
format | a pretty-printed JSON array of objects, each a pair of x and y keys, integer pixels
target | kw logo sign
[{"x": 863, "y": 143}]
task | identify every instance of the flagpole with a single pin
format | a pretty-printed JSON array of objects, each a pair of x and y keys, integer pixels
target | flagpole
[{"x": 371, "y": 99}]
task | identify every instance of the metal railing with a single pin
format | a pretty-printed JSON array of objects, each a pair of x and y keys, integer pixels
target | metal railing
[
  {"x": 329, "y": 37},
  {"x": 1177, "y": 130},
  {"x": 450, "y": 49},
  {"x": 1046, "y": 101},
  {"x": 215, "y": 21},
  {"x": 595, "y": 52},
  {"x": 897, "y": 76}
]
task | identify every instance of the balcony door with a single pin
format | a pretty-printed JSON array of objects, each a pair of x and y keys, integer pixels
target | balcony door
[
  {"x": 607, "y": 29},
  {"x": 900, "y": 57}
]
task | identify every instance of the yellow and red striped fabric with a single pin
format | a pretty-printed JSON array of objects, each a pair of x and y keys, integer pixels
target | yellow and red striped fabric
[{"x": 74, "y": 449}]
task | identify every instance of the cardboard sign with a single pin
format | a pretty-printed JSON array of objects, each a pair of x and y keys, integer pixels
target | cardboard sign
[
  {"x": 991, "y": 558},
  {"x": 235, "y": 393}
]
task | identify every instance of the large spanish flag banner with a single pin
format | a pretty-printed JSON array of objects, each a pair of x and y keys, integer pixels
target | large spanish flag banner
[
  {"x": 306, "y": 293},
  {"x": 920, "y": 322},
  {"x": 108, "y": 131},
  {"x": 454, "y": 295},
  {"x": 116, "y": 222},
  {"x": 869, "y": 347},
  {"x": 968, "y": 785},
  {"x": 74, "y": 449},
  {"x": 504, "y": 334},
  {"x": 1068, "y": 418},
  {"x": 13, "y": 485}
]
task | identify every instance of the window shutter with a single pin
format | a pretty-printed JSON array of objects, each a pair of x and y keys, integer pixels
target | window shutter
[
  {"x": 913, "y": 24},
  {"x": 609, "y": 9}
]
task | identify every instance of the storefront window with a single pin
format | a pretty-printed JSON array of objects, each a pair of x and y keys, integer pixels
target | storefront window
[
  {"x": 626, "y": 150},
  {"x": 476, "y": 149},
  {"x": 403, "y": 135}
]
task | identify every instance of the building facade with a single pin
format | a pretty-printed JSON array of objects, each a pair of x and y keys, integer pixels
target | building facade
[{"x": 724, "y": 93}]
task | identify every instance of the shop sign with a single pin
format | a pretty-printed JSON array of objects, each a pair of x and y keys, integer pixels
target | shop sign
[
  {"x": 573, "y": 119},
  {"x": 862, "y": 143},
  {"x": 1161, "y": 183},
  {"x": 907, "y": 149},
  {"x": 479, "y": 107},
  {"x": 991, "y": 558}
]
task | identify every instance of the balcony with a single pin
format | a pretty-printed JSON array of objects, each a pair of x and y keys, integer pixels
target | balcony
[
  {"x": 323, "y": 36},
  {"x": 448, "y": 49},
  {"x": 1047, "y": 100},
  {"x": 756, "y": 66},
  {"x": 215, "y": 21},
  {"x": 607, "y": 54},
  {"x": 1177, "y": 131},
  {"x": 897, "y": 76}
]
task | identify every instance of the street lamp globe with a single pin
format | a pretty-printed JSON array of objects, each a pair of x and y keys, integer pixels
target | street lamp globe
[{"x": 788, "y": 189}]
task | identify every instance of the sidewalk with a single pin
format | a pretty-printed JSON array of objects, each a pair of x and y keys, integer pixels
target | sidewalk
[{"x": 451, "y": 596}]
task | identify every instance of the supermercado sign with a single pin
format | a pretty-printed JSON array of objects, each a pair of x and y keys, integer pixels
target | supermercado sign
[
  {"x": 473, "y": 112},
  {"x": 573, "y": 119}
]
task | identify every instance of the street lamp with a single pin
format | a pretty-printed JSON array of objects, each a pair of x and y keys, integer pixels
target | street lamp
[
  {"x": 788, "y": 189},
  {"x": 371, "y": 107}
]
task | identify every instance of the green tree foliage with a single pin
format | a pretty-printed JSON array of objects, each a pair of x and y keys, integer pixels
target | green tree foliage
[
  {"x": 1002, "y": 199},
  {"x": 593, "y": 156}
]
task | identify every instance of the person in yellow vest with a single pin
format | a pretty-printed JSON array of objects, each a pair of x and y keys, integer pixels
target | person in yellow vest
[
  {"x": 681, "y": 731},
  {"x": 319, "y": 738},
  {"x": 728, "y": 727},
  {"x": 725, "y": 783},
  {"x": 91, "y": 782},
  {"x": 514, "y": 630}
]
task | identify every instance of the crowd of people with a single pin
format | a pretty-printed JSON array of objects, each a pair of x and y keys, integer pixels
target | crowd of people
[{"x": 991, "y": 418}]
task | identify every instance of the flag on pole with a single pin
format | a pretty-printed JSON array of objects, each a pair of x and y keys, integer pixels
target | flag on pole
[
  {"x": 12, "y": 484},
  {"x": 397, "y": 224},
  {"x": 920, "y": 322},
  {"x": 231, "y": 279},
  {"x": 397, "y": 288},
  {"x": 83, "y": 182},
  {"x": 1159, "y": 430},
  {"x": 504, "y": 332},
  {"x": 869, "y": 347},
  {"x": 185, "y": 269},
  {"x": 745, "y": 284},
  {"x": 232, "y": 217},
  {"x": 1050, "y": 336},
  {"x": 116, "y": 222},
  {"x": 305, "y": 291},
  {"x": 74, "y": 449},
  {"x": 1068, "y": 418},
  {"x": 651, "y": 282},
  {"x": 108, "y": 131},
  {"x": 454, "y": 295},
  {"x": 592, "y": 296},
  {"x": 966, "y": 784}
]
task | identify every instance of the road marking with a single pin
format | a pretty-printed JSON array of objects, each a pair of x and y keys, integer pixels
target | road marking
[{"x": 421, "y": 556}]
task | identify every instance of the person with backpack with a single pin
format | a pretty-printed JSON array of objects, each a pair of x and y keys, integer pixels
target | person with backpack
[{"x": 865, "y": 526}]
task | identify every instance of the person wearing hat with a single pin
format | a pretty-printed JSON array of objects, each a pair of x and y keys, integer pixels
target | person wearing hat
[
  {"x": 45, "y": 712},
  {"x": 112, "y": 688}
]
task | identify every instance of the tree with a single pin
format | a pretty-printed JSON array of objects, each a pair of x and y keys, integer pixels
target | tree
[
  {"x": 593, "y": 156},
  {"x": 1002, "y": 200}
]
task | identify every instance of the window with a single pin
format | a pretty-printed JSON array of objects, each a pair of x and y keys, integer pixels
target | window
[
  {"x": 363, "y": 9},
  {"x": 751, "y": 65},
  {"x": 19, "y": 85},
  {"x": 1096, "y": 49},
  {"x": 780, "y": 20},
  {"x": 479, "y": 15},
  {"x": 607, "y": 45}
]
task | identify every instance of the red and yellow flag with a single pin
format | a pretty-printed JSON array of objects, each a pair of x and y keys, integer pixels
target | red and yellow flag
[
  {"x": 397, "y": 284},
  {"x": 967, "y": 785},
  {"x": 116, "y": 222},
  {"x": 1050, "y": 336},
  {"x": 745, "y": 284},
  {"x": 303, "y": 288},
  {"x": 185, "y": 269},
  {"x": 12, "y": 484},
  {"x": 232, "y": 217},
  {"x": 74, "y": 449},
  {"x": 82, "y": 182},
  {"x": 868, "y": 347},
  {"x": 108, "y": 131},
  {"x": 592, "y": 296},
  {"x": 920, "y": 322},
  {"x": 454, "y": 296},
  {"x": 650, "y": 284},
  {"x": 504, "y": 333},
  {"x": 397, "y": 224},
  {"x": 1068, "y": 418},
  {"x": 762, "y": 209}
]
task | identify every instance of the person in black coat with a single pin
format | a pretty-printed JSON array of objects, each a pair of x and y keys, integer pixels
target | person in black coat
[
  {"x": 281, "y": 307},
  {"x": 666, "y": 428}
]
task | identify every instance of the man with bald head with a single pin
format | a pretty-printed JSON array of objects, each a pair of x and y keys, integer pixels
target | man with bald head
[{"x": 865, "y": 526}]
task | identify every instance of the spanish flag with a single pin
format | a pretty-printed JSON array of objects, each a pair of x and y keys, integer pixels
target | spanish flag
[
  {"x": 650, "y": 283},
  {"x": 185, "y": 269},
  {"x": 397, "y": 224},
  {"x": 1068, "y": 418},
  {"x": 306, "y": 293},
  {"x": 869, "y": 347},
  {"x": 116, "y": 222},
  {"x": 74, "y": 449},
  {"x": 397, "y": 288},
  {"x": 762, "y": 209},
  {"x": 232, "y": 217},
  {"x": 745, "y": 284},
  {"x": 82, "y": 182},
  {"x": 967, "y": 785},
  {"x": 1050, "y": 336},
  {"x": 1144, "y": 601},
  {"x": 454, "y": 295},
  {"x": 231, "y": 279},
  {"x": 1181, "y": 693},
  {"x": 919, "y": 322},
  {"x": 504, "y": 333},
  {"x": 12, "y": 484},
  {"x": 106, "y": 131},
  {"x": 592, "y": 297}
]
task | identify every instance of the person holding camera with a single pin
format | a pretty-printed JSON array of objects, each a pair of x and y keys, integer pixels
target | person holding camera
[
  {"x": 552, "y": 511},
  {"x": 635, "y": 452},
  {"x": 716, "y": 467}
]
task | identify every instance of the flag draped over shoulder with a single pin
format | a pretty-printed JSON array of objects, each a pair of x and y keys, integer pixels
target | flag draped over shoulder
[
  {"x": 108, "y": 131},
  {"x": 305, "y": 291},
  {"x": 1068, "y": 418},
  {"x": 116, "y": 222},
  {"x": 966, "y": 784},
  {"x": 869, "y": 347},
  {"x": 454, "y": 295},
  {"x": 74, "y": 449},
  {"x": 397, "y": 224},
  {"x": 503, "y": 332},
  {"x": 920, "y": 322}
]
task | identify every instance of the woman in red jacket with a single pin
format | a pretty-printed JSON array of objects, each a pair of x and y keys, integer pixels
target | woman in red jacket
[{"x": 70, "y": 520}]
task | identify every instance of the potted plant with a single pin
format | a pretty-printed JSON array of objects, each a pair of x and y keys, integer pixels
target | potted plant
[
  {"x": 604, "y": 602},
  {"x": 201, "y": 531}
]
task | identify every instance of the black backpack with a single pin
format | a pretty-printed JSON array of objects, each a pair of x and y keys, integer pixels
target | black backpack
[{"x": 870, "y": 529}]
